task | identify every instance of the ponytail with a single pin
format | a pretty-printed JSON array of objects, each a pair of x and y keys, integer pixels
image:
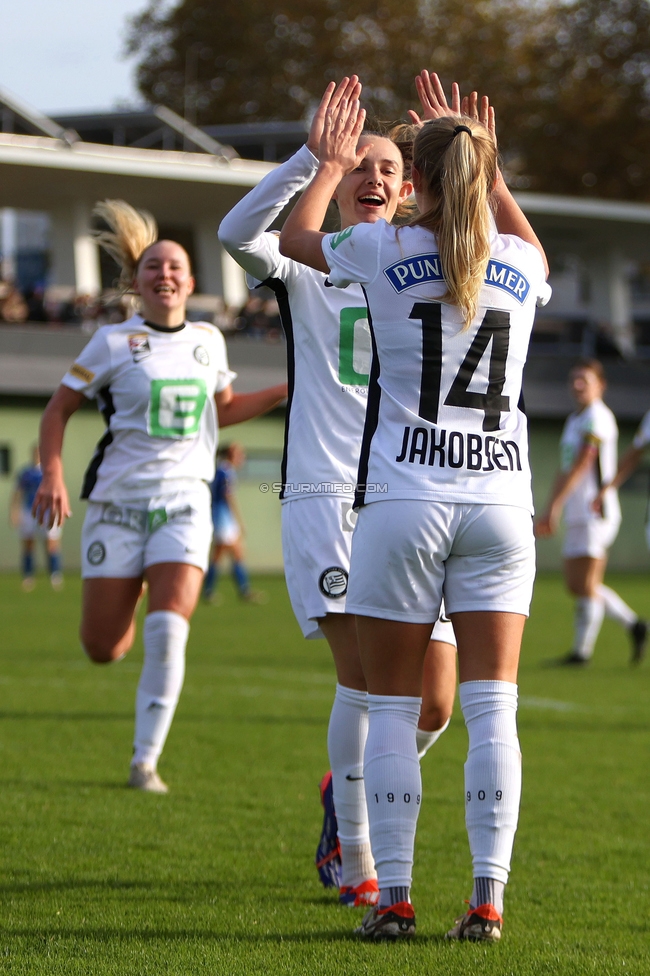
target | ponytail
[
  {"x": 457, "y": 161},
  {"x": 131, "y": 233}
]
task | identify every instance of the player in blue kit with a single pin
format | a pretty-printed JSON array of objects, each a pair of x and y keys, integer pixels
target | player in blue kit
[
  {"x": 28, "y": 482},
  {"x": 228, "y": 526}
]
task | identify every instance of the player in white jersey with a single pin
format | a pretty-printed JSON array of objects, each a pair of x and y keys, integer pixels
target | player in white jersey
[
  {"x": 626, "y": 467},
  {"x": 163, "y": 386},
  {"x": 588, "y": 449},
  {"x": 451, "y": 307},
  {"x": 328, "y": 344}
]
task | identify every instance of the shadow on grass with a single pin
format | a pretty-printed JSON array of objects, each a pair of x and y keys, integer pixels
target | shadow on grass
[
  {"x": 185, "y": 719},
  {"x": 115, "y": 935}
]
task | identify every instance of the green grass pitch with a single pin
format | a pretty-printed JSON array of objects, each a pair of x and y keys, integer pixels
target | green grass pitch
[{"x": 218, "y": 877}]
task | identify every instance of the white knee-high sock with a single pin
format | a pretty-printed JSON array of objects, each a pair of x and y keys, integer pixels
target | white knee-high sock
[
  {"x": 393, "y": 786},
  {"x": 346, "y": 741},
  {"x": 616, "y": 608},
  {"x": 165, "y": 636},
  {"x": 588, "y": 620},
  {"x": 492, "y": 774},
  {"x": 424, "y": 740}
]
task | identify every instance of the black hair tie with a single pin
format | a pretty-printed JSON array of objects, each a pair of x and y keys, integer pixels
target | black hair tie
[{"x": 462, "y": 128}]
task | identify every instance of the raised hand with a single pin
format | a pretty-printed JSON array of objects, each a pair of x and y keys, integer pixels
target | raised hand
[
  {"x": 483, "y": 112},
  {"x": 341, "y": 131},
  {"x": 349, "y": 88},
  {"x": 433, "y": 99}
]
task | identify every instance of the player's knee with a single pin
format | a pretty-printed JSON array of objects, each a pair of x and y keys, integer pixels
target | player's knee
[
  {"x": 100, "y": 650},
  {"x": 433, "y": 717}
]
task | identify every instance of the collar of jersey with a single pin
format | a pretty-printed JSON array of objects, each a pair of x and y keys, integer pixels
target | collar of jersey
[{"x": 163, "y": 328}]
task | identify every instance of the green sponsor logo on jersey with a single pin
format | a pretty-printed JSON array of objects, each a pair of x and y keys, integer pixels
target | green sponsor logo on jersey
[
  {"x": 340, "y": 237},
  {"x": 176, "y": 407},
  {"x": 354, "y": 347}
]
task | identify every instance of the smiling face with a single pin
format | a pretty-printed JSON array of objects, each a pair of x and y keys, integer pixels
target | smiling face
[
  {"x": 164, "y": 282},
  {"x": 376, "y": 187},
  {"x": 586, "y": 386}
]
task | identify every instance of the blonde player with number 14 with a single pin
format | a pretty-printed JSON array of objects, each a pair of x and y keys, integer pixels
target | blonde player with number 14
[{"x": 451, "y": 307}]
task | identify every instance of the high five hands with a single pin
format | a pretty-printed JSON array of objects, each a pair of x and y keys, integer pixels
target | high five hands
[
  {"x": 349, "y": 89},
  {"x": 434, "y": 103},
  {"x": 342, "y": 126}
]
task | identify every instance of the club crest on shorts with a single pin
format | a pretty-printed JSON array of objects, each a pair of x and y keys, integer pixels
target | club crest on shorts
[
  {"x": 201, "y": 356},
  {"x": 333, "y": 582},
  {"x": 139, "y": 346},
  {"x": 96, "y": 553}
]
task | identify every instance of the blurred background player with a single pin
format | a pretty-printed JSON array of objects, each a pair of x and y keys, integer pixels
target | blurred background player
[
  {"x": 588, "y": 449},
  {"x": 626, "y": 466},
  {"x": 228, "y": 526},
  {"x": 28, "y": 482},
  {"x": 164, "y": 388},
  {"x": 328, "y": 344}
]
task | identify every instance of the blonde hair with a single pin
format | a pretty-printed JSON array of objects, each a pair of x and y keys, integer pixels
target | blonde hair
[
  {"x": 458, "y": 171},
  {"x": 131, "y": 233}
]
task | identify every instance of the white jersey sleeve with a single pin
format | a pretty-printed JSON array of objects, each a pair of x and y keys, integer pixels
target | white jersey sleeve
[
  {"x": 243, "y": 230},
  {"x": 642, "y": 436},
  {"x": 352, "y": 255},
  {"x": 93, "y": 369}
]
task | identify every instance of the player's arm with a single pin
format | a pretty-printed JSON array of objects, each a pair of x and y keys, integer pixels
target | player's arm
[
  {"x": 51, "y": 504},
  {"x": 235, "y": 408},
  {"x": 626, "y": 466},
  {"x": 565, "y": 483},
  {"x": 242, "y": 231},
  {"x": 301, "y": 238},
  {"x": 509, "y": 217}
]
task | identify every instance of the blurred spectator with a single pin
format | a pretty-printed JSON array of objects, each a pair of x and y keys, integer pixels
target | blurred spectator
[
  {"x": 35, "y": 299},
  {"x": 13, "y": 307}
]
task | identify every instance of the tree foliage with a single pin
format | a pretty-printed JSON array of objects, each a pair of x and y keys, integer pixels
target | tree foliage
[{"x": 570, "y": 80}]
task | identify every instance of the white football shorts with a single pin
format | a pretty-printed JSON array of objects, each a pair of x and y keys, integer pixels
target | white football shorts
[
  {"x": 316, "y": 543},
  {"x": 443, "y": 629},
  {"x": 121, "y": 540},
  {"x": 592, "y": 538},
  {"x": 226, "y": 527},
  {"x": 30, "y": 529},
  {"x": 408, "y": 554}
]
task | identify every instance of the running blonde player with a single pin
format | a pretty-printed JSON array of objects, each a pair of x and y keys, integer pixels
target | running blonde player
[
  {"x": 588, "y": 449},
  {"x": 328, "y": 344},
  {"x": 451, "y": 307},
  {"x": 163, "y": 386}
]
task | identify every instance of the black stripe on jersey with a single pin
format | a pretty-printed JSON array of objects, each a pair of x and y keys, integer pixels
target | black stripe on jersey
[
  {"x": 107, "y": 410},
  {"x": 372, "y": 417},
  {"x": 279, "y": 288}
]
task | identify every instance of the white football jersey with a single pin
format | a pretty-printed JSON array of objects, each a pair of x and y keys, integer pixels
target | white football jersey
[
  {"x": 595, "y": 425},
  {"x": 328, "y": 341},
  {"x": 642, "y": 436},
  {"x": 155, "y": 390},
  {"x": 444, "y": 419}
]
